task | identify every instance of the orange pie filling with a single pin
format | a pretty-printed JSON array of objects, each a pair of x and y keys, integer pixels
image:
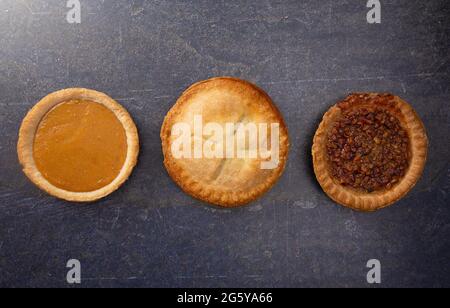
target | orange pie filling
[{"x": 80, "y": 146}]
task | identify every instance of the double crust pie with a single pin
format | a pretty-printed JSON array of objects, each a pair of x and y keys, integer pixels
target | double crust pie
[
  {"x": 78, "y": 144},
  {"x": 369, "y": 151},
  {"x": 227, "y": 182}
]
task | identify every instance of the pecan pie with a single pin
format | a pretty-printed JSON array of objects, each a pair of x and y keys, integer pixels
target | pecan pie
[
  {"x": 78, "y": 144},
  {"x": 369, "y": 151},
  {"x": 223, "y": 107}
]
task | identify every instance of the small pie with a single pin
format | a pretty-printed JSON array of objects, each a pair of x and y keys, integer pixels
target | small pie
[
  {"x": 78, "y": 145},
  {"x": 227, "y": 105},
  {"x": 369, "y": 151}
]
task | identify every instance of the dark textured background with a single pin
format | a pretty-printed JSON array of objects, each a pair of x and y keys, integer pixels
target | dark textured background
[{"x": 306, "y": 55}]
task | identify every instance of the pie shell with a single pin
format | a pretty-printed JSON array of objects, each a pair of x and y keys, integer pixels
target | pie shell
[
  {"x": 31, "y": 123},
  {"x": 215, "y": 195},
  {"x": 356, "y": 199}
]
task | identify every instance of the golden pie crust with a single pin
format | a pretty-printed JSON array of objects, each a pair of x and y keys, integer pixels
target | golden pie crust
[
  {"x": 358, "y": 199},
  {"x": 30, "y": 126},
  {"x": 224, "y": 182}
]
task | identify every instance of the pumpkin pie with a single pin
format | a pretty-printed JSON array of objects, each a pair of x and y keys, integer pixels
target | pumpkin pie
[
  {"x": 78, "y": 145},
  {"x": 240, "y": 166},
  {"x": 369, "y": 151}
]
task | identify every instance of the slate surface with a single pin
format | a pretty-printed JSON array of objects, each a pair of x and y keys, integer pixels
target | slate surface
[{"x": 306, "y": 55}]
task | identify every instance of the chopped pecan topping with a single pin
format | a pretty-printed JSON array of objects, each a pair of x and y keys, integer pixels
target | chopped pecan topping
[{"x": 368, "y": 149}]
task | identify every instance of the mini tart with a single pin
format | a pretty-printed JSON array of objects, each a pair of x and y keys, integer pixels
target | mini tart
[
  {"x": 224, "y": 182},
  {"x": 91, "y": 137},
  {"x": 369, "y": 174}
]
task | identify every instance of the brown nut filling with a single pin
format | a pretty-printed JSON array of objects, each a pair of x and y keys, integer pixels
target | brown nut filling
[{"x": 368, "y": 149}]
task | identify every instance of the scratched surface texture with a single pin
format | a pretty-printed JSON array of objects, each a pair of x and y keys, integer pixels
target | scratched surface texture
[{"x": 306, "y": 55}]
